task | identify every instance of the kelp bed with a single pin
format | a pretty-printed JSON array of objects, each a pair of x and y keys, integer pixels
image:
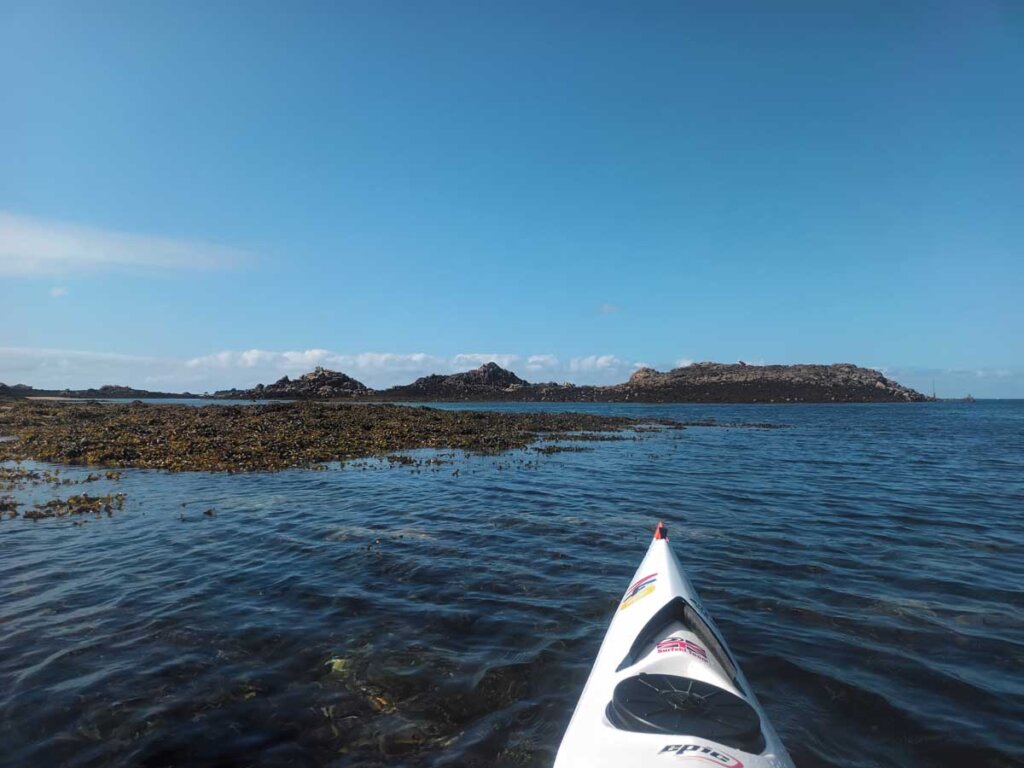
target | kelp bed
[{"x": 248, "y": 438}]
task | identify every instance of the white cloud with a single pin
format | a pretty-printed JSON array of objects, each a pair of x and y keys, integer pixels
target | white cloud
[
  {"x": 479, "y": 358},
  {"x": 392, "y": 362},
  {"x": 990, "y": 373},
  {"x": 959, "y": 382},
  {"x": 683, "y": 362},
  {"x": 31, "y": 246},
  {"x": 595, "y": 363},
  {"x": 58, "y": 291},
  {"x": 61, "y": 368},
  {"x": 541, "y": 362},
  {"x": 379, "y": 366},
  {"x": 598, "y": 369},
  {"x": 608, "y": 309}
]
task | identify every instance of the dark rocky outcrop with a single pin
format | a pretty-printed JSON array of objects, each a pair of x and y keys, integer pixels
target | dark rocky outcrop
[
  {"x": 319, "y": 384},
  {"x": 488, "y": 382}
]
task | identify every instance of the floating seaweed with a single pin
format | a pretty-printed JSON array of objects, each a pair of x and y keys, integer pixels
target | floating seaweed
[
  {"x": 80, "y": 504},
  {"x": 8, "y": 506},
  {"x": 19, "y": 477}
]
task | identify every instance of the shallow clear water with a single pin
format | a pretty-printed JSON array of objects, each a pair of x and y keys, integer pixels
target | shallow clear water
[{"x": 866, "y": 566}]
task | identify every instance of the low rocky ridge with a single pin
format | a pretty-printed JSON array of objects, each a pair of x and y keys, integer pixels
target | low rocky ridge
[
  {"x": 319, "y": 384},
  {"x": 104, "y": 392},
  {"x": 697, "y": 383}
]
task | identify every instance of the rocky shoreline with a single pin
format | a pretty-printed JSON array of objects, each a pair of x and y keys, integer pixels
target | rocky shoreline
[{"x": 697, "y": 383}]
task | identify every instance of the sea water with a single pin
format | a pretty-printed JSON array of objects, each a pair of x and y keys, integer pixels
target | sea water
[{"x": 866, "y": 565}]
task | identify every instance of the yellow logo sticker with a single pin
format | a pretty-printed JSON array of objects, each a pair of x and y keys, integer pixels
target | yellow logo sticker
[{"x": 638, "y": 590}]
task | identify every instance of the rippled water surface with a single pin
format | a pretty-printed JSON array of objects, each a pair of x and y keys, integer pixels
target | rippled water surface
[{"x": 866, "y": 566}]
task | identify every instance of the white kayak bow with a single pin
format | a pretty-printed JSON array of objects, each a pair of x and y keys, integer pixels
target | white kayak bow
[{"x": 664, "y": 689}]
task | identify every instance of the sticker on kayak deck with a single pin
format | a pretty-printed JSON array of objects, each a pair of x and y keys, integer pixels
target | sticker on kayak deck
[
  {"x": 682, "y": 644},
  {"x": 697, "y": 752},
  {"x": 639, "y": 590}
]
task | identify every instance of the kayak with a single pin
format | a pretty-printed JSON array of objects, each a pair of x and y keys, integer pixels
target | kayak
[{"x": 665, "y": 689}]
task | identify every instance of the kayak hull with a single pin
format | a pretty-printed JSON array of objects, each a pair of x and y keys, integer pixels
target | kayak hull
[{"x": 665, "y": 689}]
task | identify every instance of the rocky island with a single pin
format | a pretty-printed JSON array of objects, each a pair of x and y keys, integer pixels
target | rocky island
[
  {"x": 697, "y": 383},
  {"x": 742, "y": 383}
]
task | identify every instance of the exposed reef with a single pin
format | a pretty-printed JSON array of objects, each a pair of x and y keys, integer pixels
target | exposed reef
[{"x": 276, "y": 436}]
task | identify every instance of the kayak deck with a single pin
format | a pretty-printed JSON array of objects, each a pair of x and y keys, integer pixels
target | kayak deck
[{"x": 664, "y": 688}]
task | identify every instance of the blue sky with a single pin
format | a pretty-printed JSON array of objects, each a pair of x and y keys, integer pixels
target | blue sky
[{"x": 211, "y": 194}]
